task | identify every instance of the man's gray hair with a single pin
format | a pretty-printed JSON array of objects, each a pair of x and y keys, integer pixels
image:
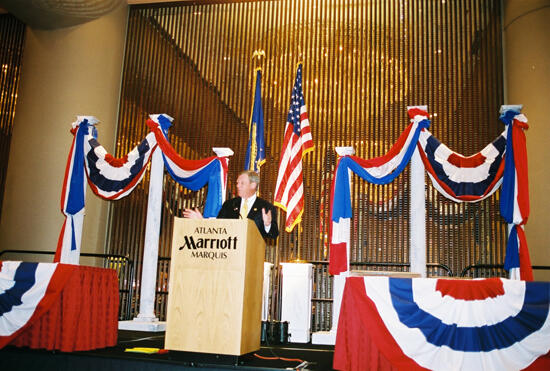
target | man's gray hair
[{"x": 253, "y": 176}]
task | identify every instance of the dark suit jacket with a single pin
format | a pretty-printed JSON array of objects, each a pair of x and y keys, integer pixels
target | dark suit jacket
[{"x": 231, "y": 208}]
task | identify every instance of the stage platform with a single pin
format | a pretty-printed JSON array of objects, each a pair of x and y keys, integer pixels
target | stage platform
[{"x": 274, "y": 357}]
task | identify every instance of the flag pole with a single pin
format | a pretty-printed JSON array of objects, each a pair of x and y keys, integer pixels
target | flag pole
[
  {"x": 297, "y": 142},
  {"x": 298, "y": 241},
  {"x": 255, "y": 153},
  {"x": 300, "y": 227}
]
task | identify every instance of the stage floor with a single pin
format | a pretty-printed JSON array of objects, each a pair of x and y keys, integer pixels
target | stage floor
[{"x": 273, "y": 357}]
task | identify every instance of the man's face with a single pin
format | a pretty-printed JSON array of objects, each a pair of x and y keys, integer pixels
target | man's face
[{"x": 245, "y": 189}]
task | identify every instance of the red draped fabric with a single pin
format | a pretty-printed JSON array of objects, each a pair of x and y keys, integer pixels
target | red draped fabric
[
  {"x": 362, "y": 337},
  {"x": 471, "y": 290},
  {"x": 84, "y": 317},
  {"x": 364, "y": 343}
]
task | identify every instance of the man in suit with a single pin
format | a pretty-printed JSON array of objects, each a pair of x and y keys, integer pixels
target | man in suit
[{"x": 247, "y": 205}]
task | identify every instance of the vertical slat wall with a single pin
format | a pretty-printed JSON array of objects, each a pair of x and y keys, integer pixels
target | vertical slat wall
[
  {"x": 12, "y": 37},
  {"x": 364, "y": 63}
]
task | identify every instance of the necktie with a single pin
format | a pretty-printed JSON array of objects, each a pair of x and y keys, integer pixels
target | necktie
[{"x": 244, "y": 210}]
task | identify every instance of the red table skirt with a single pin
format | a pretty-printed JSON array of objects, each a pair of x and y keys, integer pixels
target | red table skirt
[{"x": 84, "y": 317}]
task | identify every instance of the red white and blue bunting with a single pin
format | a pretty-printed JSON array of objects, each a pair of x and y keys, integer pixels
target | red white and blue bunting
[
  {"x": 493, "y": 324},
  {"x": 193, "y": 174},
  {"x": 461, "y": 178},
  {"x": 27, "y": 290},
  {"x": 381, "y": 170},
  {"x": 514, "y": 198},
  {"x": 457, "y": 177},
  {"x": 114, "y": 178}
]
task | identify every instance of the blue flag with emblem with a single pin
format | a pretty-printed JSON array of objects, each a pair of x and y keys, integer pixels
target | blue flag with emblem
[{"x": 255, "y": 150}]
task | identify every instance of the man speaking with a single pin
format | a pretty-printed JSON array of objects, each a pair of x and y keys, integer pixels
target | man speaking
[{"x": 247, "y": 205}]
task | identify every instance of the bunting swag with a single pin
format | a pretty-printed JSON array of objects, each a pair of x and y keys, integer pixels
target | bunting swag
[
  {"x": 476, "y": 177},
  {"x": 514, "y": 198},
  {"x": 461, "y": 178},
  {"x": 418, "y": 323},
  {"x": 113, "y": 179},
  {"x": 457, "y": 177},
  {"x": 108, "y": 177},
  {"x": 380, "y": 170},
  {"x": 192, "y": 174},
  {"x": 27, "y": 290}
]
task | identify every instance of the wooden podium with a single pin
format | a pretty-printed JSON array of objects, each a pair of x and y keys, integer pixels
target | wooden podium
[{"x": 215, "y": 289}]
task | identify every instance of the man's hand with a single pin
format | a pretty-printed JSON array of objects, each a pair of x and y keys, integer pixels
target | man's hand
[
  {"x": 266, "y": 217},
  {"x": 192, "y": 213}
]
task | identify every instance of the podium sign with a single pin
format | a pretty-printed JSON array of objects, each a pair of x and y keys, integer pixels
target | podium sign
[{"x": 215, "y": 288}]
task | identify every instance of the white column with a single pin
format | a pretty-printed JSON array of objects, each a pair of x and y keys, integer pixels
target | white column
[
  {"x": 223, "y": 151},
  {"x": 417, "y": 216},
  {"x": 296, "y": 300},
  {"x": 339, "y": 281},
  {"x": 417, "y": 213},
  {"x": 146, "y": 320}
]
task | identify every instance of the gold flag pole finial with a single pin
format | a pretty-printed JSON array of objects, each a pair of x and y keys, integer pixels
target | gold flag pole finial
[
  {"x": 258, "y": 53},
  {"x": 300, "y": 56},
  {"x": 257, "y": 57}
]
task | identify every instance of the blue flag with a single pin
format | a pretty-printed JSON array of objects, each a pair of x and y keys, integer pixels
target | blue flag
[{"x": 255, "y": 150}]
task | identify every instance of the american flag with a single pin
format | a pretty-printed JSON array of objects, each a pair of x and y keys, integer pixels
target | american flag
[{"x": 289, "y": 191}]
